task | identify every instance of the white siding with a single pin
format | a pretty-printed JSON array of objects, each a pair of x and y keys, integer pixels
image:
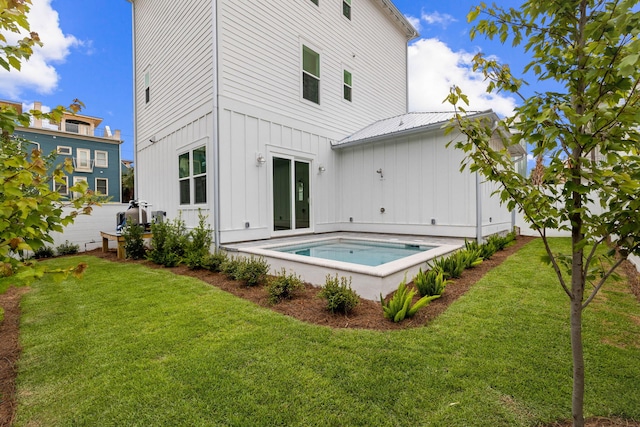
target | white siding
[
  {"x": 260, "y": 50},
  {"x": 420, "y": 181},
  {"x": 174, "y": 42}
]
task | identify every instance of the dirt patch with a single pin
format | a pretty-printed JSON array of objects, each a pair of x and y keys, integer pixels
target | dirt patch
[
  {"x": 600, "y": 422},
  {"x": 9, "y": 353}
]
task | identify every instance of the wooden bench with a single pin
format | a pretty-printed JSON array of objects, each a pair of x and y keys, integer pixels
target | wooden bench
[{"x": 120, "y": 251}]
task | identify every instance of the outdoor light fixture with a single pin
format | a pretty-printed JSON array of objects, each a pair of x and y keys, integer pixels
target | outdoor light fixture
[
  {"x": 380, "y": 172},
  {"x": 321, "y": 168},
  {"x": 260, "y": 160}
]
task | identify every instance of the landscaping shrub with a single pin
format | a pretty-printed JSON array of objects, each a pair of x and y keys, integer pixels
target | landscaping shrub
[
  {"x": 67, "y": 248},
  {"x": 199, "y": 244},
  {"x": 232, "y": 267},
  {"x": 430, "y": 283},
  {"x": 213, "y": 261},
  {"x": 283, "y": 286},
  {"x": 339, "y": 295},
  {"x": 43, "y": 252},
  {"x": 253, "y": 271},
  {"x": 133, "y": 241},
  {"x": 470, "y": 258},
  {"x": 168, "y": 242},
  {"x": 451, "y": 266},
  {"x": 399, "y": 306}
]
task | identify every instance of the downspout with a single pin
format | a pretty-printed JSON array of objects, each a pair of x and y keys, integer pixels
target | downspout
[
  {"x": 136, "y": 170},
  {"x": 216, "y": 129},
  {"x": 478, "y": 210}
]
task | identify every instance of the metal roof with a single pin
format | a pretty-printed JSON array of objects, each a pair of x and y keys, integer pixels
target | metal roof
[{"x": 400, "y": 125}]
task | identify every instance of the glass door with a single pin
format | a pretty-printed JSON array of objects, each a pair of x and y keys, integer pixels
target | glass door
[{"x": 291, "y": 194}]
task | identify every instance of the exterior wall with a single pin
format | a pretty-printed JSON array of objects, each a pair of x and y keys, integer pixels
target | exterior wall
[
  {"x": 420, "y": 183},
  {"x": 261, "y": 64},
  {"x": 85, "y": 230},
  {"x": 50, "y": 140}
]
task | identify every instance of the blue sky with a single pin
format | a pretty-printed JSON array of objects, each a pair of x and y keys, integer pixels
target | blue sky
[{"x": 87, "y": 55}]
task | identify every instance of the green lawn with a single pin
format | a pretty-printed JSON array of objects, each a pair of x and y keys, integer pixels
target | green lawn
[{"x": 132, "y": 346}]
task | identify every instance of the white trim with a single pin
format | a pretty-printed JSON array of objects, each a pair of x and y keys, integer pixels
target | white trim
[
  {"x": 77, "y": 179},
  {"x": 106, "y": 180},
  {"x": 305, "y": 43},
  {"x": 189, "y": 149},
  {"x": 66, "y": 185},
  {"x": 68, "y": 151},
  {"x": 80, "y": 166},
  {"x": 106, "y": 159}
]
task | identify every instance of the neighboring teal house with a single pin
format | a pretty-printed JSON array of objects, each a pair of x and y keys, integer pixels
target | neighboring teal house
[{"x": 96, "y": 159}]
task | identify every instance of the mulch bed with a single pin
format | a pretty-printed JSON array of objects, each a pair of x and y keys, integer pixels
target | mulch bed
[{"x": 306, "y": 306}]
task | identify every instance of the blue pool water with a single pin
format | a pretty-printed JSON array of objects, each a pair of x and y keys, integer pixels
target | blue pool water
[{"x": 355, "y": 251}]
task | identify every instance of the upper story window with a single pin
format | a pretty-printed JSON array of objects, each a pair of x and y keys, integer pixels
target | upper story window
[
  {"x": 346, "y": 8},
  {"x": 64, "y": 150},
  {"x": 83, "y": 160},
  {"x": 347, "y": 79},
  {"x": 310, "y": 75},
  {"x": 192, "y": 175},
  {"x": 315, "y": 2},
  {"x": 147, "y": 85},
  {"x": 102, "y": 159}
]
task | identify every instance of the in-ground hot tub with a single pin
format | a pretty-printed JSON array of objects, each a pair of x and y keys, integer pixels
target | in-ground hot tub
[{"x": 376, "y": 266}]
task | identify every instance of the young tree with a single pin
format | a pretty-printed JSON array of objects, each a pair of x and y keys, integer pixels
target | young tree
[
  {"x": 30, "y": 208},
  {"x": 588, "y": 132}
]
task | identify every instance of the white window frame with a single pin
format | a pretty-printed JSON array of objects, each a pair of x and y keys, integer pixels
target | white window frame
[
  {"x": 57, "y": 186},
  {"x": 106, "y": 159},
  {"x": 64, "y": 150},
  {"x": 347, "y": 3},
  {"x": 77, "y": 179},
  {"x": 345, "y": 85},
  {"x": 304, "y": 44},
  {"x": 81, "y": 166},
  {"x": 191, "y": 177},
  {"x": 106, "y": 183},
  {"x": 147, "y": 86}
]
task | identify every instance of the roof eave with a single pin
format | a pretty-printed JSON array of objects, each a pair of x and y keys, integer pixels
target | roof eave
[{"x": 409, "y": 30}]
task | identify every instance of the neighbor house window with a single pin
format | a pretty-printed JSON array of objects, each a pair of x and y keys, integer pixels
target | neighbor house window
[
  {"x": 83, "y": 160},
  {"x": 147, "y": 85},
  {"x": 314, "y": 2},
  {"x": 77, "y": 179},
  {"x": 62, "y": 187},
  {"x": 347, "y": 92},
  {"x": 64, "y": 150},
  {"x": 346, "y": 8},
  {"x": 192, "y": 175},
  {"x": 310, "y": 75},
  {"x": 102, "y": 186},
  {"x": 102, "y": 159}
]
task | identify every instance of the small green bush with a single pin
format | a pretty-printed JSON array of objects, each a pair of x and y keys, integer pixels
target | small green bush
[
  {"x": 339, "y": 295},
  {"x": 168, "y": 242},
  {"x": 133, "y": 240},
  {"x": 430, "y": 283},
  {"x": 399, "y": 306},
  {"x": 67, "y": 248},
  {"x": 451, "y": 266},
  {"x": 213, "y": 261},
  {"x": 283, "y": 286},
  {"x": 253, "y": 271},
  {"x": 232, "y": 267},
  {"x": 199, "y": 244},
  {"x": 470, "y": 258},
  {"x": 43, "y": 252}
]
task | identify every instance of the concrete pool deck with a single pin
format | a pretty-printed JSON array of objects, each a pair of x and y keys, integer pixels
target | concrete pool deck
[{"x": 368, "y": 282}]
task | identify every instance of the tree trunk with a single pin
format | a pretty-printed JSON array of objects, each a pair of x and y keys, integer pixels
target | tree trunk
[{"x": 577, "y": 400}]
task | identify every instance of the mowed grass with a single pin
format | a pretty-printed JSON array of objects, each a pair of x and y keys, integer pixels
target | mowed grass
[{"x": 132, "y": 346}]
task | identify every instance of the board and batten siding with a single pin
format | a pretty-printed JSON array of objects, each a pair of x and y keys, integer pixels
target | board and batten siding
[
  {"x": 246, "y": 187},
  {"x": 261, "y": 64},
  {"x": 174, "y": 44},
  {"x": 420, "y": 181}
]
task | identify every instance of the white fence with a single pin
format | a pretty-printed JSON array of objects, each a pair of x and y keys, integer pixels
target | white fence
[{"x": 85, "y": 231}]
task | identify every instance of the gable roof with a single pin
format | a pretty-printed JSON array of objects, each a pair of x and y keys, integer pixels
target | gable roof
[{"x": 404, "y": 124}]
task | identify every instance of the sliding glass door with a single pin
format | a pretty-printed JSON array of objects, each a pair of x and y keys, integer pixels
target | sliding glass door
[{"x": 291, "y": 193}]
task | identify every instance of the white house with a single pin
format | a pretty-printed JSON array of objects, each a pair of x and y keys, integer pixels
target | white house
[{"x": 290, "y": 117}]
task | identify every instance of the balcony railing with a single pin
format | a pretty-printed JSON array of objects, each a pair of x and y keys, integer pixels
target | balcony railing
[
  {"x": 77, "y": 128},
  {"x": 83, "y": 166}
]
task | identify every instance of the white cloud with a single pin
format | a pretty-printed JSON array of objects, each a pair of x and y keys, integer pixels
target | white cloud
[
  {"x": 442, "y": 19},
  {"x": 434, "y": 68},
  {"x": 39, "y": 73},
  {"x": 414, "y": 21}
]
